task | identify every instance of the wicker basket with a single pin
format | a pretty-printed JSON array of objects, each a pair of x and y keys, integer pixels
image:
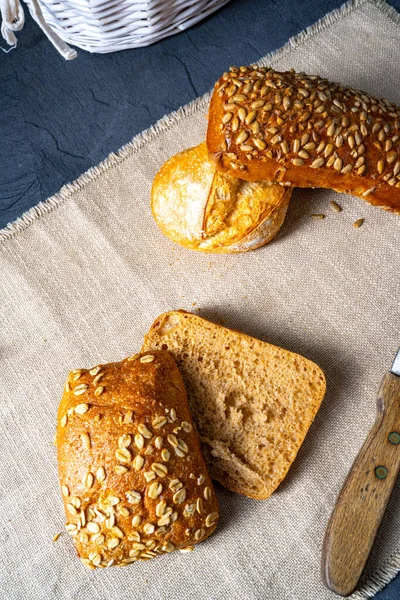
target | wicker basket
[{"x": 105, "y": 25}]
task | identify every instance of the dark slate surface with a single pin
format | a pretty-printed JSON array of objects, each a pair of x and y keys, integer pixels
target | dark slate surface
[{"x": 59, "y": 118}]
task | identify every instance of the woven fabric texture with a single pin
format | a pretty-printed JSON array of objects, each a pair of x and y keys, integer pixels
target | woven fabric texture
[{"x": 83, "y": 276}]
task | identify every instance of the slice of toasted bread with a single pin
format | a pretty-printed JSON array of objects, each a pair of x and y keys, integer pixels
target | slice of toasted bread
[{"x": 252, "y": 402}]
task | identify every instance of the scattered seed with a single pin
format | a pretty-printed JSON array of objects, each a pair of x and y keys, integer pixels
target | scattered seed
[
  {"x": 55, "y": 538},
  {"x": 358, "y": 223},
  {"x": 318, "y": 216},
  {"x": 335, "y": 206}
]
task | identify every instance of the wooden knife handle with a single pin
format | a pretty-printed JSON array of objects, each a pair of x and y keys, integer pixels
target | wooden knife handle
[{"x": 361, "y": 504}]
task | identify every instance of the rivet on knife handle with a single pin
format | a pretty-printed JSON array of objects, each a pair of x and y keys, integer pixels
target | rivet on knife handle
[{"x": 362, "y": 502}]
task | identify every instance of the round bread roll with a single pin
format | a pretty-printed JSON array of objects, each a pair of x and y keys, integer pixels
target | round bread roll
[{"x": 200, "y": 208}]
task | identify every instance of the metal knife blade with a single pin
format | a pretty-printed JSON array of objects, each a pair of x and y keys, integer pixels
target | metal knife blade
[{"x": 396, "y": 364}]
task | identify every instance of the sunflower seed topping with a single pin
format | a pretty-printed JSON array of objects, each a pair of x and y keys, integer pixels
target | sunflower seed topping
[
  {"x": 81, "y": 389},
  {"x": 81, "y": 409},
  {"x": 267, "y": 107},
  {"x": 147, "y": 359},
  {"x": 317, "y": 163}
]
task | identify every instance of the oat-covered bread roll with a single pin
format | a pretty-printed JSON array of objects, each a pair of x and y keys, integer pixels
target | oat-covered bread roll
[
  {"x": 200, "y": 208},
  {"x": 133, "y": 479},
  {"x": 305, "y": 131}
]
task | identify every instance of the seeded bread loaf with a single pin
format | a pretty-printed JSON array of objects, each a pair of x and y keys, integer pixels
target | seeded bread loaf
[
  {"x": 304, "y": 131},
  {"x": 252, "y": 402},
  {"x": 133, "y": 479},
  {"x": 200, "y": 208}
]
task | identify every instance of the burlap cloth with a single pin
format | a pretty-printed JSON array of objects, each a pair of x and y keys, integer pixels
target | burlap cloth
[{"x": 82, "y": 278}]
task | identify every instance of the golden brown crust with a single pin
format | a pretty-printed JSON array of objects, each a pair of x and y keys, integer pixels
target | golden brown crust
[
  {"x": 202, "y": 209},
  {"x": 133, "y": 479},
  {"x": 305, "y": 131}
]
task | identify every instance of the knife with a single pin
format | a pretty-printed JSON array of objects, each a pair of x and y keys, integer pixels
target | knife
[{"x": 362, "y": 501}]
